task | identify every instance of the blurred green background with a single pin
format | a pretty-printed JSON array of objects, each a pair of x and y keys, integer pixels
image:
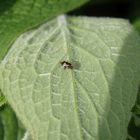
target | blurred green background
[{"x": 129, "y": 9}]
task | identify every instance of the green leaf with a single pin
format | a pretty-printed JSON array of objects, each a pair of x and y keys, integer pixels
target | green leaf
[
  {"x": 137, "y": 120},
  {"x": 26, "y": 136},
  {"x": 2, "y": 99},
  {"x": 17, "y": 16},
  {"x": 130, "y": 138},
  {"x": 10, "y": 127},
  {"x": 137, "y": 25},
  {"x": 134, "y": 127},
  {"x": 89, "y": 102}
]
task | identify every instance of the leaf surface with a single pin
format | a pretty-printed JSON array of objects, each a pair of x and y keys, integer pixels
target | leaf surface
[
  {"x": 17, "y": 16},
  {"x": 136, "y": 24},
  {"x": 93, "y": 100},
  {"x": 2, "y": 99},
  {"x": 10, "y": 127}
]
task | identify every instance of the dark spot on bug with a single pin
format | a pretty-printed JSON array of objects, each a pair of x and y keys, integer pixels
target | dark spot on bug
[{"x": 66, "y": 65}]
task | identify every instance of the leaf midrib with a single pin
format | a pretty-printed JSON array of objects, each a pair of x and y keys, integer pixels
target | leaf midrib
[{"x": 62, "y": 23}]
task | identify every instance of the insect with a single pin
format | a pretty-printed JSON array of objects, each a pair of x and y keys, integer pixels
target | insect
[{"x": 66, "y": 65}]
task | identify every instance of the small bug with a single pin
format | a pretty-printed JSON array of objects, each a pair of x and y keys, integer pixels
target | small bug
[{"x": 66, "y": 65}]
